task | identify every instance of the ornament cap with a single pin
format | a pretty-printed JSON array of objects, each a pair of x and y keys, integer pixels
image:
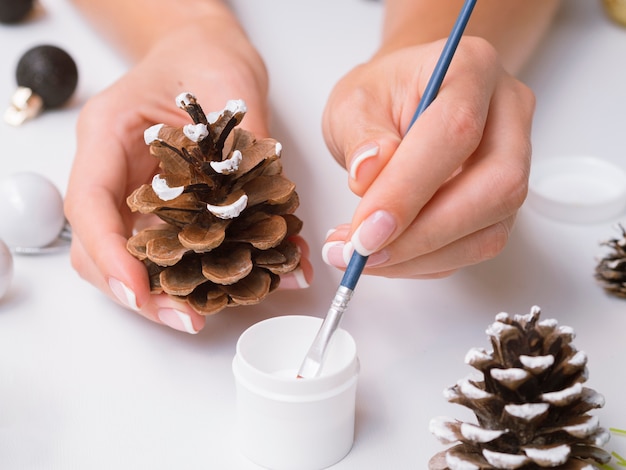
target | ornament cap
[{"x": 25, "y": 104}]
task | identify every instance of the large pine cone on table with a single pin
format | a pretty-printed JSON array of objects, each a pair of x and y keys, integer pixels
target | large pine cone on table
[{"x": 529, "y": 401}]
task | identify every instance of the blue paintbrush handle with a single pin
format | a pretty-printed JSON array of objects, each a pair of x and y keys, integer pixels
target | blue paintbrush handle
[
  {"x": 432, "y": 88},
  {"x": 357, "y": 261},
  {"x": 312, "y": 364}
]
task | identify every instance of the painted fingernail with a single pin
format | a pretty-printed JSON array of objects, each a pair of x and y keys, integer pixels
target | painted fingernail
[
  {"x": 377, "y": 258},
  {"x": 373, "y": 260},
  {"x": 332, "y": 254},
  {"x": 338, "y": 254},
  {"x": 294, "y": 280},
  {"x": 123, "y": 293},
  {"x": 373, "y": 232},
  {"x": 177, "y": 320},
  {"x": 348, "y": 249},
  {"x": 363, "y": 154}
]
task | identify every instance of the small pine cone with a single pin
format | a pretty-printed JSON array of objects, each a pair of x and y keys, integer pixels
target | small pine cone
[
  {"x": 227, "y": 209},
  {"x": 611, "y": 270},
  {"x": 530, "y": 404}
]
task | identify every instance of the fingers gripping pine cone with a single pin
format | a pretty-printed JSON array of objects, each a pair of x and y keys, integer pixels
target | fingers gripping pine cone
[
  {"x": 227, "y": 209},
  {"x": 530, "y": 404}
]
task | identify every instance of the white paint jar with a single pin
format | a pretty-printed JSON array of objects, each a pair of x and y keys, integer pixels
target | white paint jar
[{"x": 289, "y": 423}]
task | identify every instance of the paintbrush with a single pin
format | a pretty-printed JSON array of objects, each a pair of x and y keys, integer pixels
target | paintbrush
[{"x": 314, "y": 360}]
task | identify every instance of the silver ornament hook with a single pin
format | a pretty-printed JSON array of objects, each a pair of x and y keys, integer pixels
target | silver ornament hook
[{"x": 62, "y": 243}]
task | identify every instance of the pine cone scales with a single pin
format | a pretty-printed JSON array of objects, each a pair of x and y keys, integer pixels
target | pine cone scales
[
  {"x": 227, "y": 209},
  {"x": 611, "y": 270},
  {"x": 530, "y": 404}
]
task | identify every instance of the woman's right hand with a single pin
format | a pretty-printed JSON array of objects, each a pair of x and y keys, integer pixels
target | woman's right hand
[{"x": 211, "y": 58}]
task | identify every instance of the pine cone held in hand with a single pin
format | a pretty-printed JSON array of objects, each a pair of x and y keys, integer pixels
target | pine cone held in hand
[
  {"x": 611, "y": 270},
  {"x": 530, "y": 404},
  {"x": 228, "y": 211}
]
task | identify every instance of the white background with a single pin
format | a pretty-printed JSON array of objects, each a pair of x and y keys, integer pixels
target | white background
[{"x": 85, "y": 384}]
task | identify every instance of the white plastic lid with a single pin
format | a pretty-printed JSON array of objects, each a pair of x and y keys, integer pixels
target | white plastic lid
[{"x": 579, "y": 189}]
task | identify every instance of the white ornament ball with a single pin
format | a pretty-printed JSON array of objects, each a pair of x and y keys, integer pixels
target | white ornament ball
[
  {"x": 6, "y": 268},
  {"x": 31, "y": 210}
]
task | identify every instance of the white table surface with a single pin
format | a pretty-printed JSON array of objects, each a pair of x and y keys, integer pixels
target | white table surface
[{"x": 85, "y": 384}]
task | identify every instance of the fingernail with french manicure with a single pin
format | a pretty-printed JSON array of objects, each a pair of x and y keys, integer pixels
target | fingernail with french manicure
[
  {"x": 374, "y": 259},
  {"x": 332, "y": 254},
  {"x": 348, "y": 249},
  {"x": 123, "y": 293},
  {"x": 363, "y": 155},
  {"x": 177, "y": 320},
  {"x": 294, "y": 280},
  {"x": 338, "y": 254},
  {"x": 373, "y": 232}
]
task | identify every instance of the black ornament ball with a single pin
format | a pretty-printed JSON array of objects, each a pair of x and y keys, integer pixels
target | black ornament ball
[
  {"x": 49, "y": 72},
  {"x": 14, "y": 11}
]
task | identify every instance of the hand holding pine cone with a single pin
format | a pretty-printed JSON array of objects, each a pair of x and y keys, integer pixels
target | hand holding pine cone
[
  {"x": 531, "y": 406},
  {"x": 227, "y": 209}
]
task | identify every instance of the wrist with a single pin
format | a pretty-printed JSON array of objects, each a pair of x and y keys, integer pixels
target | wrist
[
  {"x": 214, "y": 45},
  {"x": 135, "y": 27}
]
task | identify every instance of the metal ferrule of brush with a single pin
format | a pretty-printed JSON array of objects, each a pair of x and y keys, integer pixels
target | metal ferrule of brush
[{"x": 312, "y": 366}]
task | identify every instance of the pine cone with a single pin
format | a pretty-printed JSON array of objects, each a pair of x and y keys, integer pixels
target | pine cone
[
  {"x": 611, "y": 270},
  {"x": 228, "y": 211},
  {"x": 530, "y": 404}
]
